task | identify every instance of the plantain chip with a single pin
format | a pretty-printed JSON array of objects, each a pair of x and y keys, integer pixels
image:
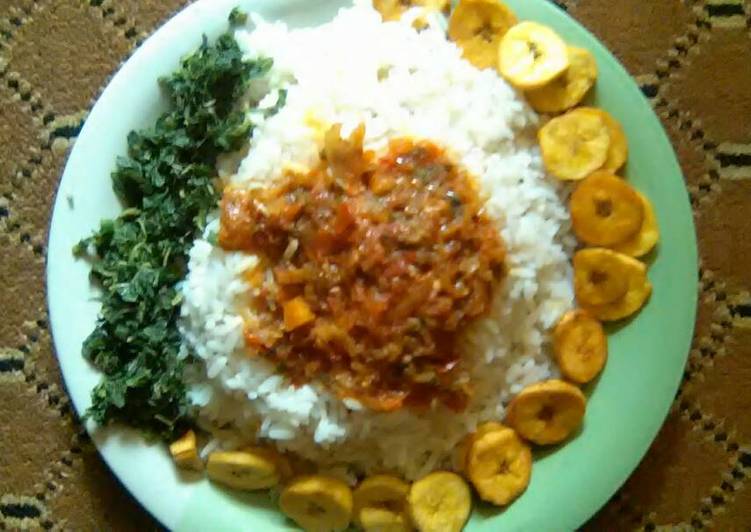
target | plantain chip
[
  {"x": 598, "y": 276},
  {"x": 547, "y": 412},
  {"x": 568, "y": 89},
  {"x": 531, "y": 55},
  {"x": 618, "y": 151},
  {"x": 639, "y": 290},
  {"x": 574, "y": 145},
  {"x": 646, "y": 239},
  {"x": 477, "y": 27},
  {"x": 605, "y": 210},
  {"x": 499, "y": 465},
  {"x": 580, "y": 346},
  {"x": 394, "y": 9}
]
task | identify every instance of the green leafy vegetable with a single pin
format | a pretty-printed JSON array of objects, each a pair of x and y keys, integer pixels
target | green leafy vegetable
[
  {"x": 237, "y": 16},
  {"x": 167, "y": 184}
]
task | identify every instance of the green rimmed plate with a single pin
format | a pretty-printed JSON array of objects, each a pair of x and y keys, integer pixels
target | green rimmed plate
[{"x": 626, "y": 407}]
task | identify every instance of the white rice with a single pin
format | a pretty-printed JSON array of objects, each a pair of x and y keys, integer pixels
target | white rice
[{"x": 398, "y": 82}]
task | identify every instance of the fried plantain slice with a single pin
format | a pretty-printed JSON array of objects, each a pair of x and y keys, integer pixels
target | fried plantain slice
[
  {"x": 547, "y": 412},
  {"x": 477, "y": 27},
  {"x": 580, "y": 346},
  {"x": 184, "y": 452},
  {"x": 499, "y": 465},
  {"x": 283, "y": 464},
  {"x": 598, "y": 276},
  {"x": 639, "y": 290},
  {"x": 377, "y": 519},
  {"x": 462, "y": 453},
  {"x": 646, "y": 239},
  {"x": 568, "y": 89},
  {"x": 531, "y": 55},
  {"x": 384, "y": 493},
  {"x": 440, "y": 502},
  {"x": 574, "y": 145},
  {"x": 394, "y": 9},
  {"x": 618, "y": 152},
  {"x": 317, "y": 503},
  {"x": 243, "y": 470},
  {"x": 605, "y": 210}
]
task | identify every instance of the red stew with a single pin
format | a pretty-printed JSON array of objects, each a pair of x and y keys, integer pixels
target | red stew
[{"x": 377, "y": 267}]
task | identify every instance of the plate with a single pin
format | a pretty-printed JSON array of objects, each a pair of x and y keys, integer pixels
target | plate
[{"x": 626, "y": 407}]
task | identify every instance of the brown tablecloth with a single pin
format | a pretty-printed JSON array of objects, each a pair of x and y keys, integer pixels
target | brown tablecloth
[{"x": 692, "y": 58}]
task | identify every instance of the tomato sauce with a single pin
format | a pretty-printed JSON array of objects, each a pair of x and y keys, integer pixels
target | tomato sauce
[{"x": 377, "y": 265}]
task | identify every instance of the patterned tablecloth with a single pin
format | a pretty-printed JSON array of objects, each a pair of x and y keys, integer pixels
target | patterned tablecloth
[{"x": 692, "y": 58}]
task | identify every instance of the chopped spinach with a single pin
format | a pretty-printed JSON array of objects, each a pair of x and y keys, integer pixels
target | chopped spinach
[
  {"x": 237, "y": 16},
  {"x": 167, "y": 185}
]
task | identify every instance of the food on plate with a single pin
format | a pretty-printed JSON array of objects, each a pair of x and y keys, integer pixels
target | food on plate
[
  {"x": 605, "y": 210},
  {"x": 331, "y": 266},
  {"x": 638, "y": 292},
  {"x": 284, "y": 466},
  {"x": 648, "y": 235},
  {"x": 618, "y": 152},
  {"x": 184, "y": 452},
  {"x": 369, "y": 296},
  {"x": 599, "y": 276},
  {"x": 531, "y": 55},
  {"x": 580, "y": 346},
  {"x": 547, "y": 412},
  {"x": 574, "y": 144},
  {"x": 394, "y": 9},
  {"x": 477, "y": 27},
  {"x": 373, "y": 519},
  {"x": 141, "y": 256},
  {"x": 296, "y": 313},
  {"x": 380, "y": 502},
  {"x": 247, "y": 469},
  {"x": 567, "y": 90},
  {"x": 462, "y": 450},
  {"x": 462, "y": 453},
  {"x": 439, "y": 502},
  {"x": 499, "y": 465},
  {"x": 317, "y": 503}
]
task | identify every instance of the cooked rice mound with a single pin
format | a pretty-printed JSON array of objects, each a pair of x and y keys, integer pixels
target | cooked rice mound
[{"x": 399, "y": 83}]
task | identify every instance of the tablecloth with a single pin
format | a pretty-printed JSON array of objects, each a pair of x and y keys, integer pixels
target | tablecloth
[{"x": 691, "y": 58}]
